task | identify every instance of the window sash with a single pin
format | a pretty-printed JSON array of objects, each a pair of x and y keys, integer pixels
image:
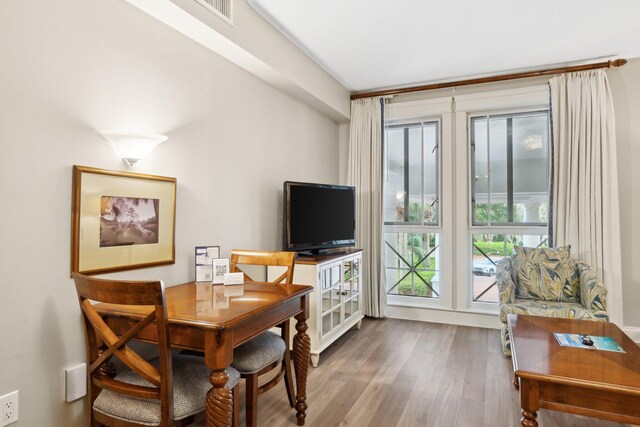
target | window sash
[
  {"x": 407, "y": 172},
  {"x": 509, "y": 115}
]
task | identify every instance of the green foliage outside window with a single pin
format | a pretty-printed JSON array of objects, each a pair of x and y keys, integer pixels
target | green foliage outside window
[
  {"x": 416, "y": 212},
  {"x": 419, "y": 287},
  {"x": 415, "y": 253},
  {"x": 499, "y": 213},
  {"x": 493, "y": 247}
]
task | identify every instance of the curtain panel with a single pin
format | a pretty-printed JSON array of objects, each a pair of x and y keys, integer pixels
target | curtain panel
[
  {"x": 365, "y": 173},
  {"x": 584, "y": 177}
]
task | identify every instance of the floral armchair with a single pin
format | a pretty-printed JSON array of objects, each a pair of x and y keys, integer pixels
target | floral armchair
[{"x": 561, "y": 287}]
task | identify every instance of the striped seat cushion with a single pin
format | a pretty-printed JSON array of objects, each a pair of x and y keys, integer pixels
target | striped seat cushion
[
  {"x": 190, "y": 386},
  {"x": 261, "y": 351}
]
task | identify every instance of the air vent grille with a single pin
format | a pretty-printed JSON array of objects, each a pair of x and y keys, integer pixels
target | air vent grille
[{"x": 222, "y": 8}]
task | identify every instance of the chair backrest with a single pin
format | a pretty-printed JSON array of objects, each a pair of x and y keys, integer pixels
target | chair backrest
[
  {"x": 266, "y": 258},
  {"x": 103, "y": 343}
]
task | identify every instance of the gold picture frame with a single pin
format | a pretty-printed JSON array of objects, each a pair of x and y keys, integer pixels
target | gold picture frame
[{"x": 121, "y": 220}]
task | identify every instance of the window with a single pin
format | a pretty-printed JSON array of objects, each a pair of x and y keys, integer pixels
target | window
[
  {"x": 509, "y": 191},
  {"x": 465, "y": 179},
  {"x": 411, "y": 212}
]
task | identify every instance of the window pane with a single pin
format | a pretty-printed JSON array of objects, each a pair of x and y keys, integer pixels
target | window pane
[
  {"x": 530, "y": 153},
  {"x": 394, "y": 180},
  {"x": 498, "y": 170},
  {"x": 412, "y": 262},
  {"x": 488, "y": 250},
  {"x": 415, "y": 175},
  {"x": 431, "y": 170},
  {"x": 509, "y": 168},
  {"x": 411, "y": 174}
]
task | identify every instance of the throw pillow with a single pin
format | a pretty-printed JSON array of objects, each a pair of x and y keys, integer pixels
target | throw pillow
[{"x": 546, "y": 274}]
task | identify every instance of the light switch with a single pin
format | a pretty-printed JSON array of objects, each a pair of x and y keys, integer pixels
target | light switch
[{"x": 75, "y": 382}]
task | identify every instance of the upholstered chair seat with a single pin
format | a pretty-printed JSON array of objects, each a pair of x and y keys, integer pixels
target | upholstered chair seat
[
  {"x": 263, "y": 350},
  {"x": 262, "y": 354},
  {"x": 547, "y": 282},
  {"x": 190, "y": 386}
]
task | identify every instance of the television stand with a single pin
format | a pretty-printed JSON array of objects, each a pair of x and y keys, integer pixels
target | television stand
[
  {"x": 336, "y": 305},
  {"x": 314, "y": 252},
  {"x": 320, "y": 255}
]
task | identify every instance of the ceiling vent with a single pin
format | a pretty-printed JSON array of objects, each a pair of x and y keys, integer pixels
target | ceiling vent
[{"x": 222, "y": 8}]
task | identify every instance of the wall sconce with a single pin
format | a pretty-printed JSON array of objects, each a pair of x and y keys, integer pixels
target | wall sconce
[{"x": 133, "y": 146}]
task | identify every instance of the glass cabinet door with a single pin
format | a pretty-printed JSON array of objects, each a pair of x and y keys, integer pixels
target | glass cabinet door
[
  {"x": 326, "y": 300},
  {"x": 341, "y": 285},
  {"x": 326, "y": 323},
  {"x": 332, "y": 298},
  {"x": 351, "y": 292}
]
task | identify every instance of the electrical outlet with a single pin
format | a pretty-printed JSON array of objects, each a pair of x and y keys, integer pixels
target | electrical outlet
[{"x": 9, "y": 404}]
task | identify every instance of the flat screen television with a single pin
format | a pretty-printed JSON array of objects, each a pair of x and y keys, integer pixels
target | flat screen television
[{"x": 318, "y": 217}]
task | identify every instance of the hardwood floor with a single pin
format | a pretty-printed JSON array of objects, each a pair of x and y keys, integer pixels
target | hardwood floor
[{"x": 404, "y": 373}]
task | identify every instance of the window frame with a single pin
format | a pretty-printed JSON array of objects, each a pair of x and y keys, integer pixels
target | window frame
[
  {"x": 456, "y": 286},
  {"x": 426, "y": 110},
  {"x": 511, "y": 113},
  {"x": 511, "y": 101}
]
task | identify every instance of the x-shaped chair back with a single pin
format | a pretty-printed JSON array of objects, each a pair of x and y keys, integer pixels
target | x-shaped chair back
[
  {"x": 103, "y": 343},
  {"x": 265, "y": 258}
]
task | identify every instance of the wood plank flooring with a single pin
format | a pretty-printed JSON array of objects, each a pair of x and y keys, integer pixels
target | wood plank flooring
[{"x": 403, "y": 373}]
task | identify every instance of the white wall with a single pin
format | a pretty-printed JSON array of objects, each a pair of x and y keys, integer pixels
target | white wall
[{"x": 72, "y": 67}]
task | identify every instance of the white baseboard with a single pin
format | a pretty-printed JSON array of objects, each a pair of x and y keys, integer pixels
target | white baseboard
[
  {"x": 634, "y": 333},
  {"x": 461, "y": 318},
  {"x": 479, "y": 320}
]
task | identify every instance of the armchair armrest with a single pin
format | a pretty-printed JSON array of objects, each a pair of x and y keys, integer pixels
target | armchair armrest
[
  {"x": 592, "y": 293},
  {"x": 504, "y": 279}
]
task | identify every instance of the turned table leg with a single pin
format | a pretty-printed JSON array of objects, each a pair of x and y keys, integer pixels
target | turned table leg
[
  {"x": 529, "y": 419},
  {"x": 530, "y": 402},
  {"x": 302, "y": 349},
  {"x": 219, "y": 400}
]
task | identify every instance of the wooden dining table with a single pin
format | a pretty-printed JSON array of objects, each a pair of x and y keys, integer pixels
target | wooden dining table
[{"x": 214, "y": 319}]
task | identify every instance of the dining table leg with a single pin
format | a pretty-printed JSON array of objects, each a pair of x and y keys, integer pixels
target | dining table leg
[
  {"x": 219, "y": 400},
  {"x": 302, "y": 351}
]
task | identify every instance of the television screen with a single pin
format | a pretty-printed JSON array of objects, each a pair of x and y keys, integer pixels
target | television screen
[{"x": 318, "y": 216}]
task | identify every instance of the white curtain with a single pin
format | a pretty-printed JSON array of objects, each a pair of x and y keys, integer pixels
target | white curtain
[
  {"x": 365, "y": 173},
  {"x": 584, "y": 178}
]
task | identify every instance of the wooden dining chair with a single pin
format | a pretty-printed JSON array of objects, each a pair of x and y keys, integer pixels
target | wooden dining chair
[
  {"x": 268, "y": 350},
  {"x": 165, "y": 391}
]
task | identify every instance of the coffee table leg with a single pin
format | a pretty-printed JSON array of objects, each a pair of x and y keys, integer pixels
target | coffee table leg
[
  {"x": 219, "y": 400},
  {"x": 302, "y": 349},
  {"x": 530, "y": 402}
]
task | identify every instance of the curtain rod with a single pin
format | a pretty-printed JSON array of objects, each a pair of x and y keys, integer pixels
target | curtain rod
[{"x": 513, "y": 76}]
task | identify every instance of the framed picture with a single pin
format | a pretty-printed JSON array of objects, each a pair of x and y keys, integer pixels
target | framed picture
[
  {"x": 204, "y": 262},
  {"x": 121, "y": 220},
  {"x": 220, "y": 268}
]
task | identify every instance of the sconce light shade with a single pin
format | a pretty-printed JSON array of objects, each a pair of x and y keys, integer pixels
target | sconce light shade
[{"x": 133, "y": 146}]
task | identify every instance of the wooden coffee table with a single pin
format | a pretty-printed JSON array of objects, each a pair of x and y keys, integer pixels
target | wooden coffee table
[{"x": 595, "y": 383}]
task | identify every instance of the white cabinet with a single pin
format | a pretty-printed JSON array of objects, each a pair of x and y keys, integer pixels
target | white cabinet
[{"x": 337, "y": 298}]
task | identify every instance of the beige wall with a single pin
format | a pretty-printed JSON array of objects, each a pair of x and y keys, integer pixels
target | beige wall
[
  {"x": 254, "y": 34},
  {"x": 625, "y": 88},
  {"x": 72, "y": 67}
]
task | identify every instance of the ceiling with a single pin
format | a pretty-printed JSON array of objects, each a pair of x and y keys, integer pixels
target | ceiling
[{"x": 375, "y": 44}]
